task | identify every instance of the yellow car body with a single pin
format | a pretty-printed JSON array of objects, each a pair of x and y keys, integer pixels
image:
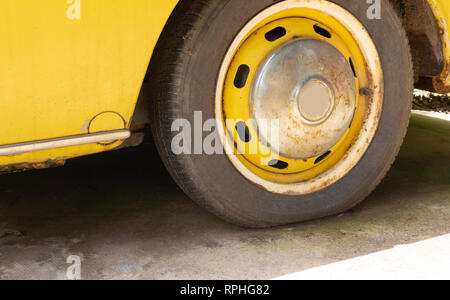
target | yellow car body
[
  {"x": 59, "y": 72},
  {"x": 74, "y": 68}
]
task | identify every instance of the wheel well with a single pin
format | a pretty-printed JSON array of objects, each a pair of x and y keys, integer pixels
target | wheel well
[
  {"x": 424, "y": 36},
  {"x": 422, "y": 30}
]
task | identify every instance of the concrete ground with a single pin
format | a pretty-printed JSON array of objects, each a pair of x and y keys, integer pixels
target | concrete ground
[{"x": 126, "y": 219}]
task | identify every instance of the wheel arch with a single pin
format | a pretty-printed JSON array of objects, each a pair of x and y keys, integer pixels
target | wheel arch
[
  {"x": 427, "y": 32},
  {"x": 141, "y": 116},
  {"x": 425, "y": 36}
]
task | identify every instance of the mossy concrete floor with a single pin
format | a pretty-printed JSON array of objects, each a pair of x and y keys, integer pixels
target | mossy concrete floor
[{"x": 126, "y": 219}]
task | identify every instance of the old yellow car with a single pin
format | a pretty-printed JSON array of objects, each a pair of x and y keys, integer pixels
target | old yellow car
[{"x": 265, "y": 112}]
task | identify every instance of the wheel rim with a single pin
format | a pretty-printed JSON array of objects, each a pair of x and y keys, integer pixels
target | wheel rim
[{"x": 299, "y": 96}]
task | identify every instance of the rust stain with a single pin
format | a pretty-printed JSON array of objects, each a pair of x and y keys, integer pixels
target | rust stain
[{"x": 30, "y": 166}]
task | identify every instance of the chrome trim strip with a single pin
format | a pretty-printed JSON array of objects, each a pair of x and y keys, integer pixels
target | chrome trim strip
[{"x": 92, "y": 138}]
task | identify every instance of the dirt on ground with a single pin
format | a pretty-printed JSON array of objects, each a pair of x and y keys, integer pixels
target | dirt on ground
[{"x": 122, "y": 214}]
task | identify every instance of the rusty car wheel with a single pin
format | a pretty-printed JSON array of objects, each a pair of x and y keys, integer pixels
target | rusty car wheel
[{"x": 311, "y": 101}]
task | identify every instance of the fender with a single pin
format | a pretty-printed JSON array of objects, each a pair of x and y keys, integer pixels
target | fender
[{"x": 441, "y": 11}]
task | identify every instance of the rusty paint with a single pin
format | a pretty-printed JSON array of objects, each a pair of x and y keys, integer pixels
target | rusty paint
[
  {"x": 29, "y": 166},
  {"x": 441, "y": 16}
]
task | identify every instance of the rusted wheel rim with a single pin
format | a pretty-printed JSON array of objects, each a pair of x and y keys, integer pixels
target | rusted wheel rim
[{"x": 312, "y": 67}]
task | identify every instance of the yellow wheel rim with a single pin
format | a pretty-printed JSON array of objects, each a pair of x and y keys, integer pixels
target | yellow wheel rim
[{"x": 304, "y": 27}]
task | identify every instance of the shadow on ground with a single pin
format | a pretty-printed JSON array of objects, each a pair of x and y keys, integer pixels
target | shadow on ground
[{"x": 126, "y": 218}]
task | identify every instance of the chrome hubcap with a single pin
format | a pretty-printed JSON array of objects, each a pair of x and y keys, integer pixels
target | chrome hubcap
[{"x": 309, "y": 87}]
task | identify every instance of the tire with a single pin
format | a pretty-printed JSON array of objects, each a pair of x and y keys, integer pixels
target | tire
[{"x": 183, "y": 74}]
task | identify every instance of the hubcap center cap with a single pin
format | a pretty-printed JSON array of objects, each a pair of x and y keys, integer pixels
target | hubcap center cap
[{"x": 315, "y": 101}]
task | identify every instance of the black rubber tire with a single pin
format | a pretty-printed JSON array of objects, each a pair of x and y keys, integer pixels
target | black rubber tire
[{"x": 183, "y": 77}]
